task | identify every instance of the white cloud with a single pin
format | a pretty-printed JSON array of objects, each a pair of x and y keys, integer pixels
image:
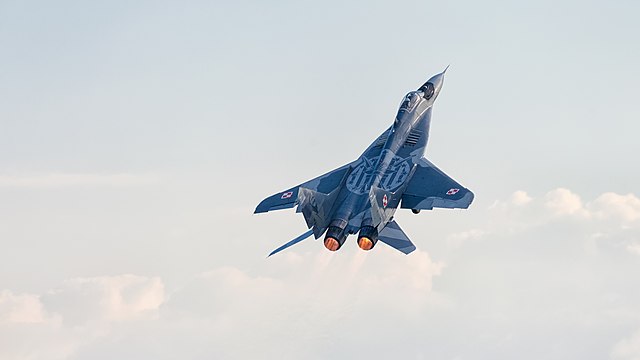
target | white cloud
[
  {"x": 292, "y": 308},
  {"x": 520, "y": 198},
  {"x": 307, "y": 278},
  {"x": 521, "y": 210},
  {"x": 81, "y": 311},
  {"x": 634, "y": 248},
  {"x": 535, "y": 276},
  {"x": 628, "y": 348},
  {"x": 612, "y": 205},
  {"x": 21, "y": 308},
  {"x": 562, "y": 201},
  {"x": 29, "y": 331},
  {"x": 457, "y": 239},
  {"x": 229, "y": 312},
  {"x": 107, "y": 298},
  {"x": 56, "y": 180},
  {"x": 609, "y": 217}
]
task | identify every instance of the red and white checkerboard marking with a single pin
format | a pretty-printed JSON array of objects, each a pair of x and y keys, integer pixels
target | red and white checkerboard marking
[
  {"x": 452, "y": 191},
  {"x": 286, "y": 195},
  {"x": 385, "y": 201}
]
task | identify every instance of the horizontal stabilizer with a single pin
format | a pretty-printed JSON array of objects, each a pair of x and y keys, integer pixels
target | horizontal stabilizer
[
  {"x": 292, "y": 242},
  {"x": 393, "y": 236}
]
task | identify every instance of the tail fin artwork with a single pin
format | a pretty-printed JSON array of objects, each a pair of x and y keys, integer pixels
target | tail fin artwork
[
  {"x": 384, "y": 203},
  {"x": 383, "y": 206}
]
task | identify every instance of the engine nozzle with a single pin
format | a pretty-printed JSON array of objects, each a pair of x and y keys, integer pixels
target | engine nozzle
[
  {"x": 335, "y": 238},
  {"x": 367, "y": 238}
]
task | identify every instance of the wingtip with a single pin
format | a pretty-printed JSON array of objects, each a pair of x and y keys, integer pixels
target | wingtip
[
  {"x": 410, "y": 251},
  {"x": 292, "y": 242},
  {"x": 261, "y": 208}
]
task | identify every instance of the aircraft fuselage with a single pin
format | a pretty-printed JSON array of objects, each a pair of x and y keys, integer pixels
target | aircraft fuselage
[
  {"x": 387, "y": 167},
  {"x": 392, "y": 173}
]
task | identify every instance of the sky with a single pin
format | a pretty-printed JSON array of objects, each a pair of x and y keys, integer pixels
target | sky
[{"x": 136, "y": 139}]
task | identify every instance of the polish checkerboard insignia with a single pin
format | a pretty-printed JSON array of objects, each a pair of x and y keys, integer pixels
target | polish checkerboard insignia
[
  {"x": 286, "y": 195},
  {"x": 452, "y": 191}
]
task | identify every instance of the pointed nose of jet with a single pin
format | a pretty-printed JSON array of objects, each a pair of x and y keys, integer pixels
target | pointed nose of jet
[{"x": 437, "y": 81}]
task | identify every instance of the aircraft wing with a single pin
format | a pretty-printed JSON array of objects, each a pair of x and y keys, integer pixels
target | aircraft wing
[
  {"x": 429, "y": 187},
  {"x": 324, "y": 184}
]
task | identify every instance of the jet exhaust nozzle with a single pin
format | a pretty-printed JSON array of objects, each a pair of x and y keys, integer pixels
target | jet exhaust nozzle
[
  {"x": 334, "y": 238},
  {"x": 367, "y": 238}
]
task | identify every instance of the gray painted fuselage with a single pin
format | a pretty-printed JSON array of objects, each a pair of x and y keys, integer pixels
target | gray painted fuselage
[
  {"x": 364, "y": 195},
  {"x": 392, "y": 162}
]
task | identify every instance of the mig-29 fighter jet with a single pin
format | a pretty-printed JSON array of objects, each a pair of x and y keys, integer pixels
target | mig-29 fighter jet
[{"x": 362, "y": 197}]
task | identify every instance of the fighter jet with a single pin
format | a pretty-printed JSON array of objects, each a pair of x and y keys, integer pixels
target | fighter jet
[{"x": 362, "y": 197}]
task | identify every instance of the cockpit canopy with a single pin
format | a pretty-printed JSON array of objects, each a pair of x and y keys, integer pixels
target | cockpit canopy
[
  {"x": 409, "y": 103},
  {"x": 427, "y": 89}
]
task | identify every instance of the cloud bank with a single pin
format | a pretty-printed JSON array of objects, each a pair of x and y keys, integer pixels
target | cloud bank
[{"x": 550, "y": 276}]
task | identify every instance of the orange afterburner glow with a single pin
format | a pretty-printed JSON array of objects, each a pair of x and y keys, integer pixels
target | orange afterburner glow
[
  {"x": 331, "y": 244},
  {"x": 365, "y": 243}
]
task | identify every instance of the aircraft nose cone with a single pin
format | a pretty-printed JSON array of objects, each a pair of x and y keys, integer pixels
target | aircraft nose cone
[{"x": 437, "y": 81}]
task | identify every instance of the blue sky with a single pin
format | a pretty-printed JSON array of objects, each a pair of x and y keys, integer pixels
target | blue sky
[{"x": 137, "y": 139}]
